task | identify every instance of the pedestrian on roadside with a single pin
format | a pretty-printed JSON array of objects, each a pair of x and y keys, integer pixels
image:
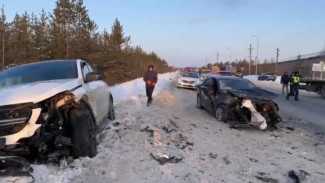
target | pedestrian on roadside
[
  {"x": 294, "y": 86},
  {"x": 285, "y": 82},
  {"x": 150, "y": 78}
]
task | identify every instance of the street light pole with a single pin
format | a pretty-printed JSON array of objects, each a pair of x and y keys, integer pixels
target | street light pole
[
  {"x": 3, "y": 46},
  {"x": 258, "y": 40}
]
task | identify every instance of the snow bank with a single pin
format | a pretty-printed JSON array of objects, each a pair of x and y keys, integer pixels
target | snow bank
[
  {"x": 267, "y": 84},
  {"x": 136, "y": 88}
]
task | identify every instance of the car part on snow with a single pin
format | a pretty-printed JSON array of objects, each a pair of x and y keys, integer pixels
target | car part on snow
[
  {"x": 256, "y": 118},
  {"x": 162, "y": 159},
  {"x": 167, "y": 130},
  {"x": 213, "y": 156},
  {"x": 14, "y": 166},
  {"x": 148, "y": 130},
  {"x": 267, "y": 179},
  {"x": 298, "y": 177}
]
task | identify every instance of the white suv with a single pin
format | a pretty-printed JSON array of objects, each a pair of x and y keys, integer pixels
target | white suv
[{"x": 52, "y": 109}]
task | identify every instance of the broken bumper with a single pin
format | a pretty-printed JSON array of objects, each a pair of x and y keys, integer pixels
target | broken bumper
[
  {"x": 187, "y": 85},
  {"x": 28, "y": 131}
]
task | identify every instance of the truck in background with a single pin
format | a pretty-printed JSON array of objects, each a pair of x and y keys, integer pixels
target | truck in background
[{"x": 315, "y": 83}]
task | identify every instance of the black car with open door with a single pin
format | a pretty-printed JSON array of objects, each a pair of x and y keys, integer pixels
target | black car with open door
[{"x": 225, "y": 97}]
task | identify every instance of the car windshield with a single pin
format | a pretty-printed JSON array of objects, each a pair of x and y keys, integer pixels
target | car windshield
[
  {"x": 42, "y": 71},
  {"x": 235, "y": 84},
  {"x": 191, "y": 75}
]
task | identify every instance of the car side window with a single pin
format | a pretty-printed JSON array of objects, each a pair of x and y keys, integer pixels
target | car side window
[
  {"x": 207, "y": 82},
  {"x": 85, "y": 70}
]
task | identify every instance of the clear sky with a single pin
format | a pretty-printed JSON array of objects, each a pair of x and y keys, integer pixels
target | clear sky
[{"x": 187, "y": 32}]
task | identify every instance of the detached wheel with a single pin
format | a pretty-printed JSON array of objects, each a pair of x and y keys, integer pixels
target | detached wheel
[
  {"x": 111, "y": 112},
  {"x": 322, "y": 91},
  {"x": 198, "y": 102},
  {"x": 83, "y": 136},
  {"x": 221, "y": 113}
]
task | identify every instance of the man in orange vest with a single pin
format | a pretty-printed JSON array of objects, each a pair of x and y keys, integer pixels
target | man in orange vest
[{"x": 150, "y": 78}]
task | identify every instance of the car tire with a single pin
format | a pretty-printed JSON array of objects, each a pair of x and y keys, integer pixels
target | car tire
[
  {"x": 198, "y": 102},
  {"x": 221, "y": 113},
  {"x": 83, "y": 132},
  {"x": 111, "y": 112}
]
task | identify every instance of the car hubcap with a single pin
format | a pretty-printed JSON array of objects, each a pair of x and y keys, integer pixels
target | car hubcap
[{"x": 219, "y": 114}]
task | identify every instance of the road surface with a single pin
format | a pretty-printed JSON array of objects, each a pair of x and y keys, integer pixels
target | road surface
[{"x": 209, "y": 149}]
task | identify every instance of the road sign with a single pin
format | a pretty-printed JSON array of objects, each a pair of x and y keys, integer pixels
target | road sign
[{"x": 317, "y": 68}]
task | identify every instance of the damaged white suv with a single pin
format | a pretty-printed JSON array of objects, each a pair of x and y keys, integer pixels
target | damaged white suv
[{"x": 52, "y": 109}]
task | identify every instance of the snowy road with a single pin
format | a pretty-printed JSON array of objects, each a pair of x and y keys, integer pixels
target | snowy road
[
  {"x": 309, "y": 110},
  {"x": 210, "y": 150}
]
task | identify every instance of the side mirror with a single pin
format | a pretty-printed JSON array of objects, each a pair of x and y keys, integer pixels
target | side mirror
[{"x": 93, "y": 76}]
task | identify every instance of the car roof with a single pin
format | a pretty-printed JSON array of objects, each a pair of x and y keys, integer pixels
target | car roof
[{"x": 226, "y": 77}]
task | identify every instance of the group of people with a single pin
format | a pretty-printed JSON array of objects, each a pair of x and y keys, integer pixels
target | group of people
[{"x": 293, "y": 81}]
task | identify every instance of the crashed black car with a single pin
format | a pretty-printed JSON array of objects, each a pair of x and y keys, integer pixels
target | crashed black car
[{"x": 239, "y": 100}]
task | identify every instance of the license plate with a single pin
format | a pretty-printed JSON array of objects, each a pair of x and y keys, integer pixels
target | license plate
[{"x": 2, "y": 143}]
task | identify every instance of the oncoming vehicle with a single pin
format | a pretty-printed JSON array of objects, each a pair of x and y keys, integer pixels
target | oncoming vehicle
[
  {"x": 227, "y": 98},
  {"x": 266, "y": 77},
  {"x": 189, "y": 80},
  {"x": 51, "y": 110}
]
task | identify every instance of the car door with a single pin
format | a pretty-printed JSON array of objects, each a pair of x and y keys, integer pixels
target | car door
[
  {"x": 98, "y": 94},
  {"x": 205, "y": 93}
]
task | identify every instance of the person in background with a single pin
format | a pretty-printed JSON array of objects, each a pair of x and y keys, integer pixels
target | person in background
[
  {"x": 239, "y": 74},
  {"x": 294, "y": 86},
  {"x": 285, "y": 82},
  {"x": 150, "y": 78}
]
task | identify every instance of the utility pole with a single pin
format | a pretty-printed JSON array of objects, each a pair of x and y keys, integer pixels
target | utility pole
[
  {"x": 258, "y": 41},
  {"x": 250, "y": 59},
  {"x": 277, "y": 59},
  {"x": 217, "y": 57}
]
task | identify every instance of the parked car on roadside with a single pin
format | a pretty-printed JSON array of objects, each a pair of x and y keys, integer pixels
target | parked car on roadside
[
  {"x": 267, "y": 77},
  {"x": 189, "y": 80},
  {"x": 52, "y": 109},
  {"x": 224, "y": 96}
]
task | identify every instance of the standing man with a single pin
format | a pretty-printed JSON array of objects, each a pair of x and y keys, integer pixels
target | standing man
[
  {"x": 285, "y": 82},
  {"x": 294, "y": 86},
  {"x": 150, "y": 78}
]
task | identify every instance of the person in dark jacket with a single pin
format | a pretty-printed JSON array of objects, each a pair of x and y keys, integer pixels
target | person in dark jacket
[
  {"x": 285, "y": 82},
  {"x": 150, "y": 78}
]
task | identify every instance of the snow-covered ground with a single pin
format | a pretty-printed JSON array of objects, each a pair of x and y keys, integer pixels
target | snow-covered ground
[
  {"x": 136, "y": 88},
  {"x": 217, "y": 153}
]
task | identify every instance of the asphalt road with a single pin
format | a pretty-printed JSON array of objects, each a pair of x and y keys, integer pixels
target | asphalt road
[{"x": 310, "y": 108}]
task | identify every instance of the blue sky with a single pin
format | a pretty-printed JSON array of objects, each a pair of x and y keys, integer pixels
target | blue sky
[{"x": 187, "y": 32}]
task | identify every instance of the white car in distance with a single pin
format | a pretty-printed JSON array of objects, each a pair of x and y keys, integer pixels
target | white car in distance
[{"x": 189, "y": 80}]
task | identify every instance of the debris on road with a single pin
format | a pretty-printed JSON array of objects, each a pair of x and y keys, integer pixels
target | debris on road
[
  {"x": 267, "y": 179},
  {"x": 173, "y": 123},
  {"x": 14, "y": 166},
  {"x": 167, "y": 130},
  {"x": 162, "y": 159},
  {"x": 148, "y": 130},
  {"x": 298, "y": 177},
  {"x": 253, "y": 160},
  {"x": 226, "y": 160},
  {"x": 290, "y": 128},
  {"x": 213, "y": 156},
  {"x": 158, "y": 139}
]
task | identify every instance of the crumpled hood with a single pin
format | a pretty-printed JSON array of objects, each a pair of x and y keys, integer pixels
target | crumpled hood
[
  {"x": 35, "y": 92},
  {"x": 253, "y": 93},
  {"x": 189, "y": 79}
]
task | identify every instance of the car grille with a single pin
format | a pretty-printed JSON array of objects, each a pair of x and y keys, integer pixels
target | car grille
[
  {"x": 13, "y": 118},
  {"x": 190, "y": 82}
]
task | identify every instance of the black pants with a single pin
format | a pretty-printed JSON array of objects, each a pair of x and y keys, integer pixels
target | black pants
[
  {"x": 294, "y": 91},
  {"x": 149, "y": 91}
]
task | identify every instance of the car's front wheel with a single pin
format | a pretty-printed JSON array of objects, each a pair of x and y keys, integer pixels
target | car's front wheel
[
  {"x": 221, "y": 113},
  {"x": 83, "y": 132},
  {"x": 198, "y": 102}
]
